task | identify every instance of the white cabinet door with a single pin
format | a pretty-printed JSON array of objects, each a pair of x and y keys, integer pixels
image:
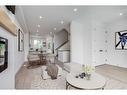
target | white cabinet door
[
  {"x": 60, "y": 56},
  {"x": 64, "y": 56}
]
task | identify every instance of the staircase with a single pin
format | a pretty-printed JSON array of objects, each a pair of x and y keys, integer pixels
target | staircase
[{"x": 62, "y": 44}]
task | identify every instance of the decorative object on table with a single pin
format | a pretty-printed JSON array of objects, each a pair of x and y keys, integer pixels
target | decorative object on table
[
  {"x": 20, "y": 40},
  {"x": 82, "y": 75},
  {"x": 88, "y": 70},
  {"x": 88, "y": 76},
  {"x": 121, "y": 40}
]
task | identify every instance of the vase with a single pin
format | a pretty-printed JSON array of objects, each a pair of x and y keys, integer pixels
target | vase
[{"x": 88, "y": 76}]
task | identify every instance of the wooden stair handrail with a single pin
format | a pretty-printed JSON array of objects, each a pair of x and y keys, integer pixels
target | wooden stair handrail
[{"x": 62, "y": 45}]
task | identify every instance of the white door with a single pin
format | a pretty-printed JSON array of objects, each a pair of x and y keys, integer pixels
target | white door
[{"x": 99, "y": 48}]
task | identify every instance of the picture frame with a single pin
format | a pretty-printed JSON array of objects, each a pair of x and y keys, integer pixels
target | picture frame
[
  {"x": 20, "y": 41},
  {"x": 44, "y": 44},
  {"x": 3, "y": 54},
  {"x": 121, "y": 40}
]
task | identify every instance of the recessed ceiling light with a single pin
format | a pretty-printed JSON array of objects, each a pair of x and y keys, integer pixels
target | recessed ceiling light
[
  {"x": 75, "y": 9},
  {"x": 41, "y": 17},
  {"x": 54, "y": 28},
  {"x": 37, "y": 31},
  {"x": 121, "y": 14},
  {"x": 62, "y": 22},
  {"x": 38, "y": 25}
]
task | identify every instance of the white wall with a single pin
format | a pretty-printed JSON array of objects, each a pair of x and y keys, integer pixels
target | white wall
[
  {"x": 15, "y": 58},
  {"x": 88, "y": 38},
  {"x": 80, "y": 43},
  {"x": 7, "y": 76},
  {"x": 76, "y": 30},
  {"x": 26, "y": 45},
  {"x": 116, "y": 57},
  {"x": 87, "y": 41},
  {"x": 15, "y": 61},
  {"x": 19, "y": 57},
  {"x": 99, "y": 45},
  {"x": 49, "y": 40},
  {"x": 22, "y": 23}
]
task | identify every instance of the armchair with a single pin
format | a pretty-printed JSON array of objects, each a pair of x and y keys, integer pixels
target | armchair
[{"x": 33, "y": 59}]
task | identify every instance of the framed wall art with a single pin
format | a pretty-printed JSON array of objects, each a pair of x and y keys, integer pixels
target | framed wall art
[
  {"x": 20, "y": 41},
  {"x": 121, "y": 40},
  {"x": 3, "y": 54}
]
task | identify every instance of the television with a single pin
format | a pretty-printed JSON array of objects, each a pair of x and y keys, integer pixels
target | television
[
  {"x": 3, "y": 54},
  {"x": 11, "y": 8}
]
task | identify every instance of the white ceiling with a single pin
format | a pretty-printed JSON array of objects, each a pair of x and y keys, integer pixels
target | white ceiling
[{"x": 54, "y": 14}]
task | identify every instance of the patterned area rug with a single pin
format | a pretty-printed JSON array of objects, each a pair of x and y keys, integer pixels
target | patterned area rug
[{"x": 60, "y": 83}]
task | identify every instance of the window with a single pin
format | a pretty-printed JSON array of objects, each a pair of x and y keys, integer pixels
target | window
[
  {"x": 35, "y": 42},
  {"x": 38, "y": 43}
]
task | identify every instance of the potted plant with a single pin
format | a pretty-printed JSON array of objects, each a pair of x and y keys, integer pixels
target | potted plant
[{"x": 88, "y": 69}]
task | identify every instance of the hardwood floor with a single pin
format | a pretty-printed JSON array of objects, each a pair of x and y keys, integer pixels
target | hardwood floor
[
  {"x": 115, "y": 72},
  {"x": 25, "y": 76}
]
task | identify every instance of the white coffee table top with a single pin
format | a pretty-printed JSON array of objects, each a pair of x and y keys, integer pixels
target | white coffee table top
[{"x": 96, "y": 82}]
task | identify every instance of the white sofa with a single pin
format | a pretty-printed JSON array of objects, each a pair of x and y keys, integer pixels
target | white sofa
[
  {"x": 73, "y": 67},
  {"x": 33, "y": 57}
]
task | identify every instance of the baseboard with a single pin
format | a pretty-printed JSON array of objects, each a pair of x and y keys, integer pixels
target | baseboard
[
  {"x": 100, "y": 65},
  {"x": 117, "y": 66},
  {"x": 19, "y": 69}
]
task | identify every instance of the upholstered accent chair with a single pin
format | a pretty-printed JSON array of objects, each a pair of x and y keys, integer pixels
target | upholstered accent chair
[{"x": 33, "y": 59}]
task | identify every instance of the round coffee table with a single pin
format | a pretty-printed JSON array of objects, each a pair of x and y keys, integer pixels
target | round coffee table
[{"x": 96, "y": 82}]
